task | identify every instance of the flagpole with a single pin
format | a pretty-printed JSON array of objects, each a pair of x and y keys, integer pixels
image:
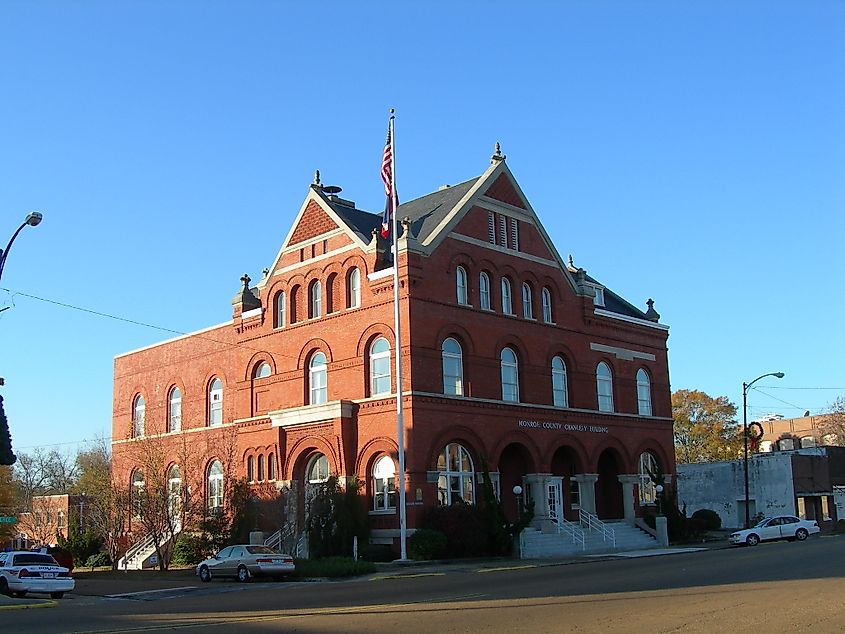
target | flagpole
[{"x": 400, "y": 427}]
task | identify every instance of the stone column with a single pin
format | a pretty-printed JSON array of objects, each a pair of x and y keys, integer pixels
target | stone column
[
  {"x": 587, "y": 490},
  {"x": 628, "y": 492},
  {"x": 539, "y": 483}
]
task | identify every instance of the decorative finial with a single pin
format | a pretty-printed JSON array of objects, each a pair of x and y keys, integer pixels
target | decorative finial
[
  {"x": 651, "y": 314},
  {"x": 265, "y": 273},
  {"x": 317, "y": 178},
  {"x": 571, "y": 261},
  {"x": 497, "y": 155},
  {"x": 246, "y": 280}
]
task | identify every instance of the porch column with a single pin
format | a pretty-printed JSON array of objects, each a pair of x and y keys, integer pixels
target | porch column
[
  {"x": 628, "y": 482},
  {"x": 538, "y": 483},
  {"x": 587, "y": 490}
]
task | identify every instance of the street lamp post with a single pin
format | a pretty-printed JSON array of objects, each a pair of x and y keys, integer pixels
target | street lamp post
[
  {"x": 32, "y": 219},
  {"x": 745, "y": 387}
]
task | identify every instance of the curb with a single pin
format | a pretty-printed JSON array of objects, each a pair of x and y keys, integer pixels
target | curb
[{"x": 42, "y": 603}]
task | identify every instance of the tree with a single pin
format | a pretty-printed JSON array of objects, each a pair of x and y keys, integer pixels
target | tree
[
  {"x": 44, "y": 473},
  {"x": 7, "y": 456},
  {"x": 832, "y": 425},
  {"x": 705, "y": 428}
]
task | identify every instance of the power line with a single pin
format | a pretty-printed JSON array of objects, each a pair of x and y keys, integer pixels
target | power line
[{"x": 140, "y": 323}]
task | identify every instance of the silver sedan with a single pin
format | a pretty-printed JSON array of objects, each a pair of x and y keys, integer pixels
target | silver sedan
[{"x": 244, "y": 562}]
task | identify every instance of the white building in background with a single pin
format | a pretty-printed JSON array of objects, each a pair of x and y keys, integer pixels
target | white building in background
[{"x": 809, "y": 483}]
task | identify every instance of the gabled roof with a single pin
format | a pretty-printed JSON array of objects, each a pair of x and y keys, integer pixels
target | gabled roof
[{"x": 427, "y": 212}]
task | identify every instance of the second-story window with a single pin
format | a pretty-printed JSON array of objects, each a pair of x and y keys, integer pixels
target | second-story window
[
  {"x": 461, "y": 275},
  {"x": 507, "y": 300},
  {"x": 453, "y": 370},
  {"x": 215, "y": 402},
  {"x": 353, "y": 299},
  {"x": 174, "y": 419},
  {"x": 510, "y": 376},
  {"x": 317, "y": 379},
  {"x": 643, "y": 393},
  {"x": 380, "y": 367},
  {"x": 315, "y": 293},
  {"x": 484, "y": 291},
  {"x": 560, "y": 398},
  {"x": 138, "y": 415},
  {"x": 527, "y": 306},
  {"x": 604, "y": 387}
]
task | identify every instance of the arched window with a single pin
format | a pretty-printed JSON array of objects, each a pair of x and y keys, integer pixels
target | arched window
[
  {"x": 507, "y": 301},
  {"x": 456, "y": 480},
  {"x": 318, "y": 469},
  {"x": 271, "y": 467},
  {"x": 560, "y": 396},
  {"x": 138, "y": 485},
  {"x": 281, "y": 310},
  {"x": 317, "y": 379},
  {"x": 261, "y": 472},
  {"x": 215, "y": 402},
  {"x": 830, "y": 439},
  {"x": 215, "y": 486},
  {"x": 648, "y": 466},
  {"x": 766, "y": 446},
  {"x": 604, "y": 387},
  {"x": 384, "y": 484},
  {"x": 527, "y": 301},
  {"x": 174, "y": 415},
  {"x": 174, "y": 490},
  {"x": 484, "y": 291},
  {"x": 138, "y": 414},
  {"x": 462, "y": 285},
  {"x": 380, "y": 367},
  {"x": 786, "y": 444},
  {"x": 262, "y": 371},
  {"x": 60, "y": 520},
  {"x": 315, "y": 300},
  {"x": 547, "y": 305},
  {"x": 250, "y": 468},
  {"x": 331, "y": 283},
  {"x": 453, "y": 367},
  {"x": 808, "y": 441},
  {"x": 510, "y": 375},
  {"x": 353, "y": 289},
  {"x": 643, "y": 393}
]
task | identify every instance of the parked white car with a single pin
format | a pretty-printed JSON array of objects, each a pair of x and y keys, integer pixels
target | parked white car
[
  {"x": 26, "y": 571},
  {"x": 244, "y": 562},
  {"x": 780, "y": 527}
]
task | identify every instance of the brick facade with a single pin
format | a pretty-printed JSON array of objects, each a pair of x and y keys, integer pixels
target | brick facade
[{"x": 530, "y": 442}]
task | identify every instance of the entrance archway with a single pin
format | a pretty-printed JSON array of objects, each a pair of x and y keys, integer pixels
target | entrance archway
[
  {"x": 514, "y": 463},
  {"x": 608, "y": 488},
  {"x": 565, "y": 464}
]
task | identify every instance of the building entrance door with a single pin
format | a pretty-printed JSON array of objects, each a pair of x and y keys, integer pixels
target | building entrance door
[{"x": 554, "y": 499}]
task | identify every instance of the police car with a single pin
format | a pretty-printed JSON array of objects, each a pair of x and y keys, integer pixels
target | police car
[{"x": 23, "y": 571}]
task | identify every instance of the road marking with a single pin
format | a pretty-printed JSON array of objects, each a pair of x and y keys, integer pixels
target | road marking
[
  {"x": 133, "y": 594},
  {"x": 505, "y": 568},
  {"x": 420, "y": 574}
]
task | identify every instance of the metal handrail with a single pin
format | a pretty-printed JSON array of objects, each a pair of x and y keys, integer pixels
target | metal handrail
[
  {"x": 565, "y": 526},
  {"x": 594, "y": 523}
]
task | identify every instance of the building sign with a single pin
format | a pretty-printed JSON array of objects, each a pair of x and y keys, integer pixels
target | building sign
[
  {"x": 537, "y": 424},
  {"x": 6, "y": 519}
]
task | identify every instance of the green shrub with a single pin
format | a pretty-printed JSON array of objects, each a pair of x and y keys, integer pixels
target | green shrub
[
  {"x": 710, "y": 519},
  {"x": 98, "y": 560},
  {"x": 337, "y": 514},
  {"x": 377, "y": 552},
  {"x": 463, "y": 526},
  {"x": 332, "y": 567},
  {"x": 426, "y": 543},
  {"x": 189, "y": 550},
  {"x": 695, "y": 528}
]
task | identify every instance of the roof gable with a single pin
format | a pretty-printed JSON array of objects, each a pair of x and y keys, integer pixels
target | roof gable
[
  {"x": 313, "y": 222},
  {"x": 503, "y": 190}
]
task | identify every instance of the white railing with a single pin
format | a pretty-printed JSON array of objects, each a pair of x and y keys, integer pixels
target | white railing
[
  {"x": 274, "y": 540},
  {"x": 138, "y": 548},
  {"x": 593, "y": 523},
  {"x": 573, "y": 530}
]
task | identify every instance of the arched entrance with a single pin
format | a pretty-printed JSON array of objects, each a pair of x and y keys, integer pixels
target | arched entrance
[
  {"x": 565, "y": 464},
  {"x": 514, "y": 463},
  {"x": 608, "y": 488}
]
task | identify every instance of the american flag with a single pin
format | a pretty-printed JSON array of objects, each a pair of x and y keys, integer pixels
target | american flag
[{"x": 387, "y": 177}]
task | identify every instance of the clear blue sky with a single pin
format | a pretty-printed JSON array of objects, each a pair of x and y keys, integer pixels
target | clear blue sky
[{"x": 692, "y": 152}]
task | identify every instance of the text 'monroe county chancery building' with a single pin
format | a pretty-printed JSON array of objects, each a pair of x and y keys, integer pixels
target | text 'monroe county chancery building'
[{"x": 511, "y": 357}]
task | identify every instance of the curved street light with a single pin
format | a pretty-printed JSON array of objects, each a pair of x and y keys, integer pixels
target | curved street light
[
  {"x": 745, "y": 387},
  {"x": 32, "y": 219}
]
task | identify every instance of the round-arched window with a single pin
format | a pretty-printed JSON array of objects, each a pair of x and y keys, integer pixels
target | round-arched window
[
  {"x": 456, "y": 480},
  {"x": 318, "y": 469}
]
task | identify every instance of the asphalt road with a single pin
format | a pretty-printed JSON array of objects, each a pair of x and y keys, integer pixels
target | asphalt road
[{"x": 777, "y": 587}]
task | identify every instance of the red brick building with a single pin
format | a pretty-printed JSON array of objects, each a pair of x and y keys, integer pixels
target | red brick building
[{"x": 511, "y": 356}]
